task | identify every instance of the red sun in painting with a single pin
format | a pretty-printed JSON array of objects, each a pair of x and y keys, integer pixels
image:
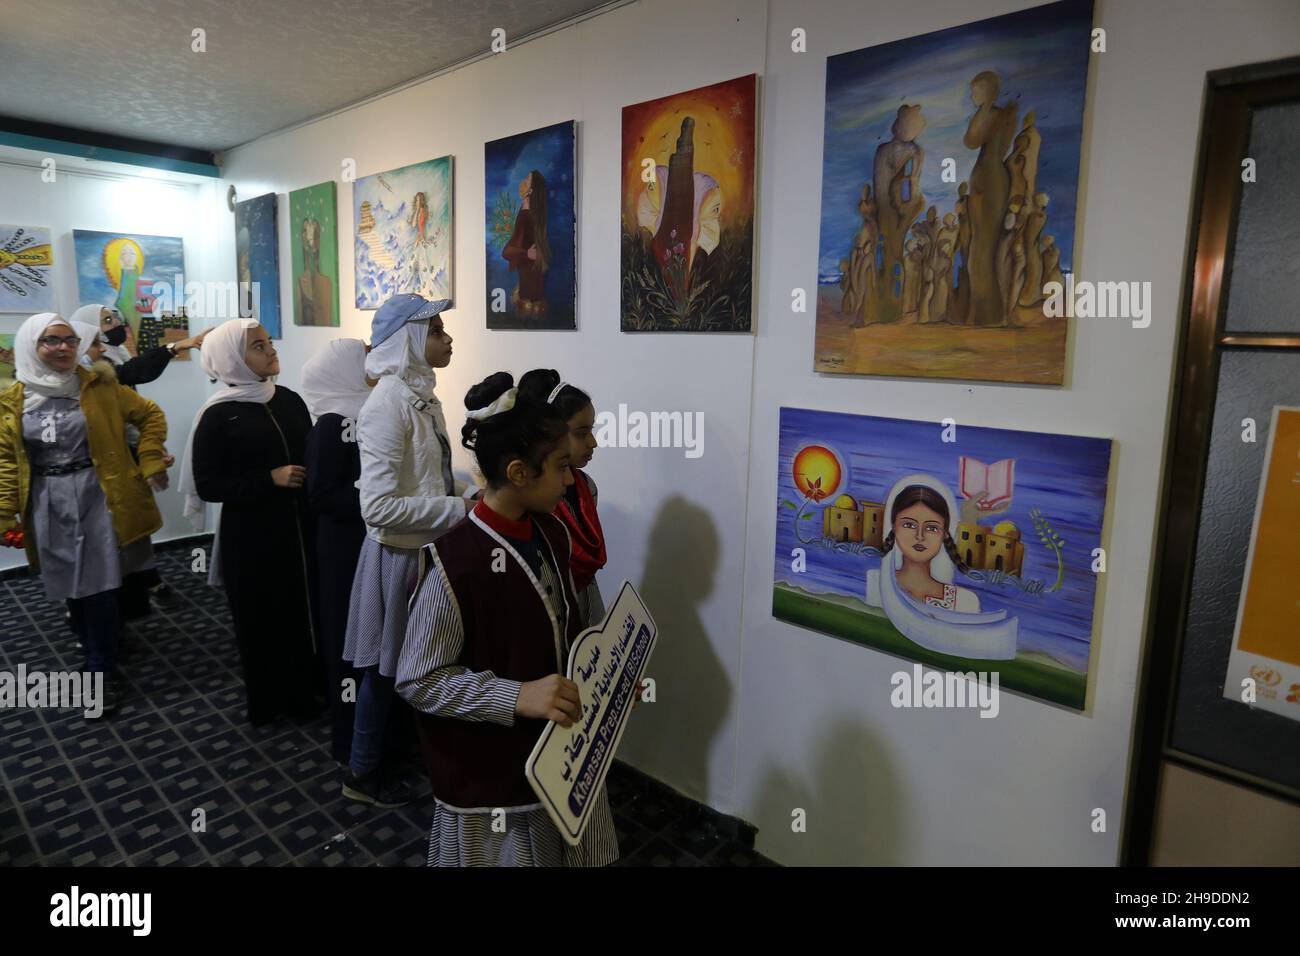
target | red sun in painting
[{"x": 817, "y": 472}]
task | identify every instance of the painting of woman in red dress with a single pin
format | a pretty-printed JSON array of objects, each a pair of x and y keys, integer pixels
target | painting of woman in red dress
[{"x": 528, "y": 252}]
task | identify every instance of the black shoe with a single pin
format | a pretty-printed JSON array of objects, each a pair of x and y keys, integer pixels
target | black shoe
[
  {"x": 163, "y": 593},
  {"x": 111, "y": 699},
  {"x": 371, "y": 789}
]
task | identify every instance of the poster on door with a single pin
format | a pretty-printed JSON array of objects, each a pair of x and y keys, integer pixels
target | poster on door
[{"x": 1264, "y": 666}]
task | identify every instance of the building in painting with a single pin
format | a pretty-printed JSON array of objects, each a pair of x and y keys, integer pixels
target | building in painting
[
  {"x": 854, "y": 520},
  {"x": 996, "y": 548}
]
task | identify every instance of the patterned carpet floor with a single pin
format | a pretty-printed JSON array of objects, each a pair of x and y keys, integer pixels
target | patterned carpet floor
[{"x": 126, "y": 790}]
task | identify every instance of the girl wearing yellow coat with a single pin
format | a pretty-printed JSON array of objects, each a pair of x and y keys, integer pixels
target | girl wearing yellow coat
[{"x": 68, "y": 479}]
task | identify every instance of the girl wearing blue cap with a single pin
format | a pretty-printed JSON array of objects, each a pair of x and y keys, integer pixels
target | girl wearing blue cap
[{"x": 408, "y": 499}]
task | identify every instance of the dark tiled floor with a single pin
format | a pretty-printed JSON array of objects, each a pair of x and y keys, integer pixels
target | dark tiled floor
[{"x": 178, "y": 777}]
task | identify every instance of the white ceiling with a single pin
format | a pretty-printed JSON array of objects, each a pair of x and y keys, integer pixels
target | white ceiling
[{"x": 126, "y": 66}]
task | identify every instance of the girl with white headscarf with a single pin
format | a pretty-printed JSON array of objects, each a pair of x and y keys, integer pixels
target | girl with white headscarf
[
  {"x": 915, "y": 581},
  {"x": 69, "y": 480},
  {"x": 110, "y": 358},
  {"x": 246, "y": 452},
  {"x": 335, "y": 385},
  {"x": 131, "y": 369},
  {"x": 408, "y": 498}
]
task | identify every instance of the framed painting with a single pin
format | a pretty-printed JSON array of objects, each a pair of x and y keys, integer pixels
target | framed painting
[
  {"x": 257, "y": 252},
  {"x": 136, "y": 275},
  {"x": 26, "y": 270},
  {"x": 688, "y": 210},
  {"x": 960, "y": 547},
  {"x": 314, "y": 244},
  {"x": 403, "y": 232},
  {"x": 950, "y": 173},
  {"x": 530, "y": 190}
]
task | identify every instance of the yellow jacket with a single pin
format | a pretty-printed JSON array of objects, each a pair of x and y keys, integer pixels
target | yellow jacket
[{"x": 108, "y": 407}]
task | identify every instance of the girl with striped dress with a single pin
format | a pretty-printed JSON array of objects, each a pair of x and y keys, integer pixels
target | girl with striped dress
[{"x": 487, "y": 642}]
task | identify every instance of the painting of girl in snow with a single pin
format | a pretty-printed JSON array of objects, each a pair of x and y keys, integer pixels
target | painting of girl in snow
[{"x": 402, "y": 233}]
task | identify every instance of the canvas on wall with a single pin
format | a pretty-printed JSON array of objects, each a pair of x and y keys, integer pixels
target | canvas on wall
[
  {"x": 530, "y": 190},
  {"x": 137, "y": 276},
  {"x": 961, "y": 547},
  {"x": 688, "y": 210},
  {"x": 6, "y": 360},
  {"x": 403, "y": 232},
  {"x": 313, "y": 239},
  {"x": 26, "y": 270},
  {"x": 950, "y": 174},
  {"x": 1266, "y": 642},
  {"x": 257, "y": 256}
]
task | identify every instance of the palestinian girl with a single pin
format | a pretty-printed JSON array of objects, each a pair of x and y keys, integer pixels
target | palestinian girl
[
  {"x": 68, "y": 479},
  {"x": 577, "y": 509},
  {"x": 335, "y": 385},
  {"x": 246, "y": 451},
  {"x": 408, "y": 498},
  {"x": 915, "y": 582},
  {"x": 109, "y": 357},
  {"x": 488, "y": 640},
  {"x": 131, "y": 371}
]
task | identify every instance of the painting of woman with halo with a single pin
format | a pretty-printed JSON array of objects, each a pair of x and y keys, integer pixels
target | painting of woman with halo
[{"x": 915, "y": 585}]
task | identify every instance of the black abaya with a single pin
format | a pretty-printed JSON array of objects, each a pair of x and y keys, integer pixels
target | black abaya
[
  {"x": 333, "y": 467},
  {"x": 266, "y": 549}
]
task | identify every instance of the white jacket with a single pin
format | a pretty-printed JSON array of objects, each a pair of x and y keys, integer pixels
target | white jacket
[{"x": 405, "y": 501}]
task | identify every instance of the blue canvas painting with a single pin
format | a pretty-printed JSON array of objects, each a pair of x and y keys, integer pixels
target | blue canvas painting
[
  {"x": 950, "y": 172},
  {"x": 402, "y": 238},
  {"x": 142, "y": 277},
  {"x": 257, "y": 253},
  {"x": 961, "y": 547},
  {"x": 531, "y": 233}
]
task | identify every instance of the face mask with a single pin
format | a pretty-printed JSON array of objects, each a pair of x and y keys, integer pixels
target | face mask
[{"x": 115, "y": 336}]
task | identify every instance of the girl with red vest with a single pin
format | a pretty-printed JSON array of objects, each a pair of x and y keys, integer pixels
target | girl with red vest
[
  {"x": 577, "y": 509},
  {"x": 487, "y": 640}
]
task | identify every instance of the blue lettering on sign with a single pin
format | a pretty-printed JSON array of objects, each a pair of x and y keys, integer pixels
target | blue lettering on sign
[{"x": 603, "y": 738}]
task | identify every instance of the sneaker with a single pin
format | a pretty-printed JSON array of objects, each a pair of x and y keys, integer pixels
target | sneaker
[{"x": 371, "y": 789}]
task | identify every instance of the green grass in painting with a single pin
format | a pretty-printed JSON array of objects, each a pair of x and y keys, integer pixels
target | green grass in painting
[{"x": 1034, "y": 674}]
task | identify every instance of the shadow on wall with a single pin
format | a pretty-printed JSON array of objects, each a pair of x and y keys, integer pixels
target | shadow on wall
[
  {"x": 851, "y": 802},
  {"x": 672, "y": 738}
]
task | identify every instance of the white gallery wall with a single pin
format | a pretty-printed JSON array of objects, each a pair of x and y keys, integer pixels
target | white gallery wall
[
  {"x": 888, "y": 786},
  {"x": 118, "y": 201},
  {"x": 754, "y": 716}
]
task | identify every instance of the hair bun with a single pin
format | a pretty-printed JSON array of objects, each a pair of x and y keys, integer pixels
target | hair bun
[
  {"x": 489, "y": 390},
  {"x": 536, "y": 385}
]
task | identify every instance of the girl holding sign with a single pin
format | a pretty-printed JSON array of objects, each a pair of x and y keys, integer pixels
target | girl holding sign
[
  {"x": 488, "y": 640},
  {"x": 577, "y": 509}
]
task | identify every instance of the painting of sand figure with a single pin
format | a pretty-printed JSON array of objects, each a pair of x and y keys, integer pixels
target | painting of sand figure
[
  {"x": 949, "y": 189},
  {"x": 688, "y": 210}
]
